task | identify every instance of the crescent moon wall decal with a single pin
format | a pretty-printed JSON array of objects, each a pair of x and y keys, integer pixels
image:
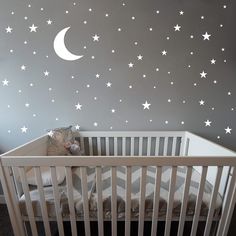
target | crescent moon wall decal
[{"x": 60, "y": 47}]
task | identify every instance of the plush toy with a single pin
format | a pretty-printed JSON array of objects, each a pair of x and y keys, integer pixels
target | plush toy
[{"x": 74, "y": 148}]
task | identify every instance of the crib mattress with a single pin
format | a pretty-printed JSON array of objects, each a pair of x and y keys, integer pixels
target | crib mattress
[{"x": 135, "y": 193}]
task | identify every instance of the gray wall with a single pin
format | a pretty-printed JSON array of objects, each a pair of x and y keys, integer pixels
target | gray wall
[{"x": 52, "y": 98}]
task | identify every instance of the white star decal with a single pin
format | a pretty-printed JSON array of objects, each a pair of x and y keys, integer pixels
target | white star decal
[
  {"x": 24, "y": 129},
  {"x": 78, "y": 106},
  {"x": 113, "y": 110},
  {"x": 207, "y": 123},
  {"x": 164, "y": 52},
  {"x": 77, "y": 127},
  {"x": 108, "y": 84},
  {"x": 140, "y": 57},
  {"x": 97, "y": 76},
  {"x": 202, "y": 103},
  {"x": 46, "y": 73},
  {"x": 50, "y": 133},
  {"x": 96, "y": 38},
  {"x": 33, "y": 28},
  {"x": 177, "y": 27},
  {"x": 95, "y": 124},
  {"x": 146, "y": 105},
  {"x": 5, "y": 82},
  {"x": 8, "y": 29},
  {"x": 228, "y": 130},
  {"x": 206, "y": 36},
  {"x": 203, "y": 74},
  {"x": 181, "y": 13},
  {"x": 213, "y": 61},
  {"x": 49, "y": 22},
  {"x": 131, "y": 65},
  {"x": 23, "y": 67}
]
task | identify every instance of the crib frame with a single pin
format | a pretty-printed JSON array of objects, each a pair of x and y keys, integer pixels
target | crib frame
[{"x": 178, "y": 148}]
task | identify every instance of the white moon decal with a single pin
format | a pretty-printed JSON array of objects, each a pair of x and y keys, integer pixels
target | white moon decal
[{"x": 60, "y": 47}]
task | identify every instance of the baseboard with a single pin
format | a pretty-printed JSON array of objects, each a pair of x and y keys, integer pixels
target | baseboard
[{"x": 2, "y": 199}]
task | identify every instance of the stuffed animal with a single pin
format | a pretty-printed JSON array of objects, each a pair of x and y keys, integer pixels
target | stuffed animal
[{"x": 74, "y": 148}]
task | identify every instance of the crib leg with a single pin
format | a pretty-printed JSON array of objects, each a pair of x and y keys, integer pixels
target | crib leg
[
  {"x": 214, "y": 227},
  {"x": 25, "y": 228}
]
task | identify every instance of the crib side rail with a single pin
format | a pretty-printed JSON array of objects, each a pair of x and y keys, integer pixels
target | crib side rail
[
  {"x": 128, "y": 162},
  {"x": 132, "y": 143}
]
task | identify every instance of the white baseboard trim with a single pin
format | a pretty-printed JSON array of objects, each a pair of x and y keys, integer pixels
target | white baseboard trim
[{"x": 2, "y": 199}]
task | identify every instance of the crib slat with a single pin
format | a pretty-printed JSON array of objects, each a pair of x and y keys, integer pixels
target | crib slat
[
  {"x": 226, "y": 205},
  {"x": 173, "y": 151},
  {"x": 165, "y": 146},
  {"x": 140, "y": 149},
  {"x": 123, "y": 146},
  {"x": 170, "y": 200},
  {"x": 14, "y": 210},
  {"x": 213, "y": 201},
  {"x": 42, "y": 201},
  {"x": 99, "y": 146},
  {"x": 115, "y": 146},
  {"x": 142, "y": 200},
  {"x": 156, "y": 200},
  {"x": 82, "y": 144},
  {"x": 113, "y": 201},
  {"x": 99, "y": 201},
  {"x": 149, "y": 146},
  {"x": 128, "y": 201},
  {"x": 57, "y": 201},
  {"x": 85, "y": 201},
  {"x": 107, "y": 146},
  {"x": 132, "y": 146},
  {"x": 90, "y": 146},
  {"x": 71, "y": 200},
  {"x": 28, "y": 202},
  {"x": 157, "y": 146},
  {"x": 230, "y": 212},
  {"x": 185, "y": 200},
  {"x": 199, "y": 201}
]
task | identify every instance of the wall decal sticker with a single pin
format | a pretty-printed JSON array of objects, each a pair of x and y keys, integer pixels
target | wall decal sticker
[
  {"x": 60, "y": 47},
  {"x": 145, "y": 65}
]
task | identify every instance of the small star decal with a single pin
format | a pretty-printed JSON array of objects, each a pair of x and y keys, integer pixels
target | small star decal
[
  {"x": 228, "y": 130},
  {"x": 213, "y": 61},
  {"x": 33, "y": 28},
  {"x": 46, "y": 73},
  {"x": 77, "y": 127},
  {"x": 181, "y": 13},
  {"x": 202, "y": 103},
  {"x": 24, "y": 129},
  {"x": 96, "y": 38},
  {"x": 164, "y": 52},
  {"x": 78, "y": 106},
  {"x": 140, "y": 57},
  {"x": 50, "y": 133},
  {"x": 49, "y": 22},
  {"x": 207, "y": 123},
  {"x": 203, "y": 74},
  {"x": 97, "y": 76},
  {"x": 8, "y": 29},
  {"x": 5, "y": 82},
  {"x": 108, "y": 84},
  {"x": 131, "y": 65},
  {"x": 206, "y": 36},
  {"x": 146, "y": 105},
  {"x": 23, "y": 67},
  {"x": 177, "y": 27}
]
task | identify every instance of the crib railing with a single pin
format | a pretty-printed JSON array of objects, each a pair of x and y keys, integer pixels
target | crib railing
[
  {"x": 133, "y": 143},
  {"x": 21, "y": 163}
]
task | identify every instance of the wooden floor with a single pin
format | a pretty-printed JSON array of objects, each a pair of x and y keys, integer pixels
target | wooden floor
[{"x": 6, "y": 229}]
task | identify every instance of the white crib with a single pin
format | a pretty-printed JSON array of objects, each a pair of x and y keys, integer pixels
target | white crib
[{"x": 214, "y": 164}]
